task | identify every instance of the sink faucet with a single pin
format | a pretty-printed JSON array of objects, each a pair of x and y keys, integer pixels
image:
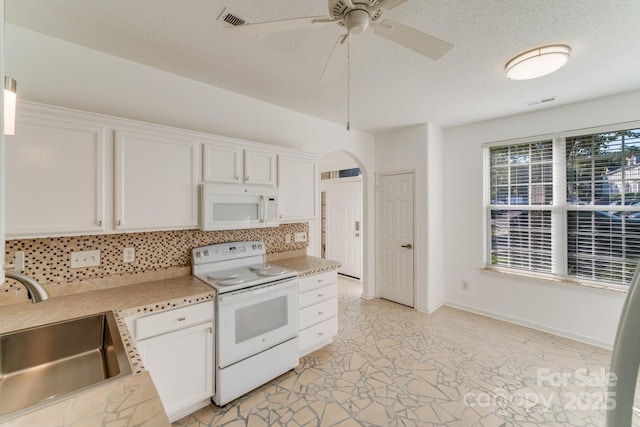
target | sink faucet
[{"x": 37, "y": 293}]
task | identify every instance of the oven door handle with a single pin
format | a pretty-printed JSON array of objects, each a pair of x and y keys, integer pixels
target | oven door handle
[{"x": 259, "y": 290}]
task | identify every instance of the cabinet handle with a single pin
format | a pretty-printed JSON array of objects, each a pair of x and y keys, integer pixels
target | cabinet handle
[
  {"x": 237, "y": 178},
  {"x": 320, "y": 313},
  {"x": 119, "y": 223},
  {"x": 99, "y": 223},
  {"x": 320, "y": 295},
  {"x": 181, "y": 319},
  {"x": 320, "y": 280},
  {"x": 211, "y": 330},
  {"x": 320, "y": 334},
  {"x": 246, "y": 178}
]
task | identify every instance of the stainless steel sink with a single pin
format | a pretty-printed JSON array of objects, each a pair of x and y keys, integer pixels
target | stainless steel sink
[{"x": 39, "y": 365}]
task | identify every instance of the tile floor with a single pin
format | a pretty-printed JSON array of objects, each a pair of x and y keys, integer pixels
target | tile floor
[{"x": 394, "y": 366}]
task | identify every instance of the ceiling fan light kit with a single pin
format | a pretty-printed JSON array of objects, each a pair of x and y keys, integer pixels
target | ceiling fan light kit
[
  {"x": 538, "y": 62},
  {"x": 357, "y": 20}
]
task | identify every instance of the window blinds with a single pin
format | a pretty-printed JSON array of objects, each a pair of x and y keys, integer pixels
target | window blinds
[{"x": 569, "y": 207}]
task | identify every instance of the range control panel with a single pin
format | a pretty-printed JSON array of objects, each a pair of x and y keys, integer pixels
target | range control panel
[{"x": 227, "y": 251}]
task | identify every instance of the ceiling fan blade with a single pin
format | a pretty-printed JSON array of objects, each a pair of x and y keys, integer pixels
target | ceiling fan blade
[
  {"x": 263, "y": 28},
  {"x": 387, "y": 4},
  {"x": 422, "y": 43},
  {"x": 338, "y": 59}
]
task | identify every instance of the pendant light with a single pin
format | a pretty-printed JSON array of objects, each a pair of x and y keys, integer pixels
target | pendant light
[
  {"x": 10, "y": 95},
  {"x": 537, "y": 62}
]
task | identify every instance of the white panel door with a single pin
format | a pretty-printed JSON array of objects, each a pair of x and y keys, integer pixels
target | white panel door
[
  {"x": 344, "y": 226},
  {"x": 395, "y": 238},
  {"x": 156, "y": 182},
  {"x": 55, "y": 177}
]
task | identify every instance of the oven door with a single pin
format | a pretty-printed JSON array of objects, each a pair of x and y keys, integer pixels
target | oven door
[{"x": 252, "y": 320}]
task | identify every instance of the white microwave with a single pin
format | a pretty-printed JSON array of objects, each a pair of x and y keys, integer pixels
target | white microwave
[{"x": 234, "y": 206}]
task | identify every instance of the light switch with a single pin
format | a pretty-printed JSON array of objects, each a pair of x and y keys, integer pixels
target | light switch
[
  {"x": 301, "y": 237},
  {"x": 82, "y": 259}
]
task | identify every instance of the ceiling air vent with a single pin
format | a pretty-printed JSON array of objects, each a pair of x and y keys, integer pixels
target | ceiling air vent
[{"x": 231, "y": 18}]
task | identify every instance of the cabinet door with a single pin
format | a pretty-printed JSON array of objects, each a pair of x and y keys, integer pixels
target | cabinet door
[
  {"x": 156, "y": 182},
  {"x": 222, "y": 163},
  {"x": 181, "y": 366},
  {"x": 297, "y": 188},
  {"x": 259, "y": 167},
  {"x": 55, "y": 177}
]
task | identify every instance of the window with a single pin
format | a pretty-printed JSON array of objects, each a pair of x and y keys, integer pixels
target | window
[{"x": 567, "y": 206}]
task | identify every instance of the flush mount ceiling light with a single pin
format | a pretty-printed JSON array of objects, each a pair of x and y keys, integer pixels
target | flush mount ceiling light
[
  {"x": 10, "y": 86},
  {"x": 537, "y": 62}
]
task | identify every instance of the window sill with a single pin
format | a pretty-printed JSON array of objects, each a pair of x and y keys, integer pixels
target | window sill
[{"x": 563, "y": 281}]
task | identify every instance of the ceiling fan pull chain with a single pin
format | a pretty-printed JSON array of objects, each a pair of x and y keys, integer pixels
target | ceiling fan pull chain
[{"x": 348, "y": 82}]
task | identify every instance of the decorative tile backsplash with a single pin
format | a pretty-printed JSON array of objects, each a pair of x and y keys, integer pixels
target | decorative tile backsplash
[{"x": 48, "y": 259}]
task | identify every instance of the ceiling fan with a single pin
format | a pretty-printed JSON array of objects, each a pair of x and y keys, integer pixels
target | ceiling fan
[{"x": 356, "y": 16}]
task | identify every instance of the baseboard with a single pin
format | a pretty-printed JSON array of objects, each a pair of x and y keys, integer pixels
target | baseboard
[{"x": 533, "y": 325}]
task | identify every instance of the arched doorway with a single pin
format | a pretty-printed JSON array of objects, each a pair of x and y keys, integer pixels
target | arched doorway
[{"x": 342, "y": 181}]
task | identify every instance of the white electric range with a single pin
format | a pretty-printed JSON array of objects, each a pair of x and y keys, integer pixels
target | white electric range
[{"x": 256, "y": 315}]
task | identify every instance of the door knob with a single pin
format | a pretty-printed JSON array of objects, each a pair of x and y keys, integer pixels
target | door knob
[{"x": 408, "y": 246}]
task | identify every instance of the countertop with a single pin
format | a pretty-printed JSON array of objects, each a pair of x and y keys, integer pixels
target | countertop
[
  {"x": 132, "y": 400},
  {"x": 307, "y": 265}
]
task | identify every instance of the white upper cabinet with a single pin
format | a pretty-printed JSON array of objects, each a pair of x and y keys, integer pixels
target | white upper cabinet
[
  {"x": 297, "y": 188},
  {"x": 232, "y": 164},
  {"x": 260, "y": 167},
  {"x": 222, "y": 163},
  {"x": 156, "y": 181},
  {"x": 55, "y": 176}
]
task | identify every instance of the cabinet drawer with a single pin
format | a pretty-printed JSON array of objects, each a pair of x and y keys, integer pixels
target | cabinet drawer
[
  {"x": 318, "y": 313},
  {"x": 317, "y": 295},
  {"x": 317, "y": 281},
  {"x": 314, "y": 337},
  {"x": 172, "y": 320}
]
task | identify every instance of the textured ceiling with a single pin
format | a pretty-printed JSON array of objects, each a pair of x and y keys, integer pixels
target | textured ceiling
[{"x": 390, "y": 86}]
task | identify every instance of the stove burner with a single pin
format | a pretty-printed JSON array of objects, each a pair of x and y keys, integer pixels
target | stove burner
[
  {"x": 260, "y": 267},
  {"x": 271, "y": 272},
  {"x": 231, "y": 281},
  {"x": 227, "y": 276}
]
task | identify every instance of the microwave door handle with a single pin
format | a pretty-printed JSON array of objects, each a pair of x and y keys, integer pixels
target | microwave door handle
[{"x": 263, "y": 209}]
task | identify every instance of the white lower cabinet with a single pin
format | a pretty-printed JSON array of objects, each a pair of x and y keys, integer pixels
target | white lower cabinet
[
  {"x": 318, "y": 304},
  {"x": 176, "y": 347}
]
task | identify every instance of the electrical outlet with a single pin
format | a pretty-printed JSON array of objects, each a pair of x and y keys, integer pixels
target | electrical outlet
[
  {"x": 301, "y": 237},
  {"x": 287, "y": 238},
  {"x": 82, "y": 259},
  {"x": 129, "y": 254},
  {"x": 465, "y": 285}
]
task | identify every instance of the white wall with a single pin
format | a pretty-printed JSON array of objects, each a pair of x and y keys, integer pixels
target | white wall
[
  {"x": 419, "y": 149},
  {"x": 435, "y": 218},
  {"x": 2, "y": 193},
  {"x": 56, "y": 72},
  {"x": 336, "y": 160},
  {"x": 581, "y": 313}
]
